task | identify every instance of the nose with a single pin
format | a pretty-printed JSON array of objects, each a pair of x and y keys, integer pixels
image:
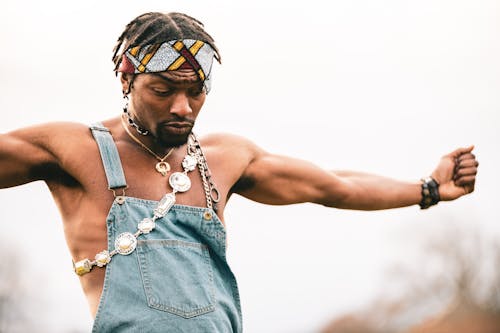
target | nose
[{"x": 180, "y": 104}]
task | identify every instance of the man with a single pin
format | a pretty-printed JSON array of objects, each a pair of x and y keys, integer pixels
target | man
[{"x": 143, "y": 199}]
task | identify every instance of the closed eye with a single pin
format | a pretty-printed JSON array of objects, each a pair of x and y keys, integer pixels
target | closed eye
[{"x": 163, "y": 92}]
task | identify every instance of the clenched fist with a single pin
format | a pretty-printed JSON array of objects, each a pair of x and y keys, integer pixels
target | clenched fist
[{"x": 456, "y": 173}]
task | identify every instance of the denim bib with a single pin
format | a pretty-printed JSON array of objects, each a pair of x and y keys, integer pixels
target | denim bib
[{"x": 177, "y": 279}]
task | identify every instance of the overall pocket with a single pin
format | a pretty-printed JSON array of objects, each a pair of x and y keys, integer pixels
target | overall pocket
[{"x": 177, "y": 276}]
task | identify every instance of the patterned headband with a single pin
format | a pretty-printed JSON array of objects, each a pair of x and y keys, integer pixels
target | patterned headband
[{"x": 170, "y": 56}]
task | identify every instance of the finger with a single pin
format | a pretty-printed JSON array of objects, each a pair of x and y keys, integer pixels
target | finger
[
  {"x": 462, "y": 172},
  {"x": 466, "y": 156},
  {"x": 457, "y": 152},
  {"x": 468, "y": 189},
  {"x": 467, "y": 163},
  {"x": 466, "y": 181}
]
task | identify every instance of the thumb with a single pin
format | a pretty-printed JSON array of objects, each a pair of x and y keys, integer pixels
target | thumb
[{"x": 460, "y": 151}]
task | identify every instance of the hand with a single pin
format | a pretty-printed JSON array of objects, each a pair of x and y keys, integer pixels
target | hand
[{"x": 456, "y": 173}]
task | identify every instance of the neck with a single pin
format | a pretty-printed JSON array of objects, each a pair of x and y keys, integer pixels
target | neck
[{"x": 146, "y": 142}]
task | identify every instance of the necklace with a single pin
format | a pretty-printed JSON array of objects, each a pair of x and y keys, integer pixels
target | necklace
[
  {"x": 126, "y": 242},
  {"x": 131, "y": 121},
  {"x": 162, "y": 166}
]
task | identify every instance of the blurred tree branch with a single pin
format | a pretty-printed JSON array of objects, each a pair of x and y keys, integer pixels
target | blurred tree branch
[{"x": 454, "y": 280}]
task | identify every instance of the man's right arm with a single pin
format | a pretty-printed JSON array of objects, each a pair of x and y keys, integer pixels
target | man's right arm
[{"x": 25, "y": 156}]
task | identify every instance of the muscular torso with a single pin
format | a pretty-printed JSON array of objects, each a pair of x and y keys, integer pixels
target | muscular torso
[
  {"x": 67, "y": 158},
  {"x": 80, "y": 189}
]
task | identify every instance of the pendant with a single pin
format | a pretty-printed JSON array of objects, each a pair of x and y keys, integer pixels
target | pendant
[
  {"x": 180, "y": 182},
  {"x": 125, "y": 243},
  {"x": 102, "y": 258},
  {"x": 189, "y": 163},
  {"x": 82, "y": 267},
  {"x": 146, "y": 225},
  {"x": 163, "y": 168},
  {"x": 164, "y": 205}
]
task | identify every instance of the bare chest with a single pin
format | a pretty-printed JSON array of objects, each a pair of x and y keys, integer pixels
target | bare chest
[
  {"x": 85, "y": 211},
  {"x": 148, "y": 178}
]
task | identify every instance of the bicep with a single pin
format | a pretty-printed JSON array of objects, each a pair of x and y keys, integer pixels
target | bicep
[
  {"x": 23, "y": 158},
  {"x": 280, "y": 180}
]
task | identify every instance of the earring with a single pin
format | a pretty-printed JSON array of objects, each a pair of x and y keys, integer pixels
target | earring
[{"x": 125, "y": 107}]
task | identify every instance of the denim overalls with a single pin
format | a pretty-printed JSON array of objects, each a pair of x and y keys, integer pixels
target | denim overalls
[{"x": 178, "y": 279}]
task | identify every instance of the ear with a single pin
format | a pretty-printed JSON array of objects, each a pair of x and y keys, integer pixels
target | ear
[{"x": 125, "y": 79}]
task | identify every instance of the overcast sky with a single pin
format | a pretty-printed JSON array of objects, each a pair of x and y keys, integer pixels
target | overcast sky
[{"x": 380, "y": 86}]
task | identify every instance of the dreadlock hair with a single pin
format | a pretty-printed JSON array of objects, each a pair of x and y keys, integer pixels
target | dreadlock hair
[{"x": 155, "y": 27}]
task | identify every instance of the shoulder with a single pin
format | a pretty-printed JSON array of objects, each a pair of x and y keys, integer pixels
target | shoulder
[
  {"x": 231, "y": 144},
  {"x": 44, "y": 151},
  {"x": 230, "y": 156},
  {"x": 52, "y": 129},
  {"x": 50, "y": 136},
  {"x": 60, "y": 141}
]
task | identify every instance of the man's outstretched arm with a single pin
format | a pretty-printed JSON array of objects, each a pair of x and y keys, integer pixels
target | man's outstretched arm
[
  {"x": 24, "y": 156},
  {"x": 280, "y": 180}
]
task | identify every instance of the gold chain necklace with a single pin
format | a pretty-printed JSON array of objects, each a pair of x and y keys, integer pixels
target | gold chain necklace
[{"x": 162, "y": 166}]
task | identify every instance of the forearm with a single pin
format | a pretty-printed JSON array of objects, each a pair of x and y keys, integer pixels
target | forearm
[
  {"x": 373, "y": 192},
  {"x": 280, "y": 180}
]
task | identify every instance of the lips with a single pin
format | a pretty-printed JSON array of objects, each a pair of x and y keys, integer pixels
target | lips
[
  {"x": 178, "y": 124},
  {"x": 181, "y": 128}
]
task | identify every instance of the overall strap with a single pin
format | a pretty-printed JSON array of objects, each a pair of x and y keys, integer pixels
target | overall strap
[{"x": 109, "y": 156}]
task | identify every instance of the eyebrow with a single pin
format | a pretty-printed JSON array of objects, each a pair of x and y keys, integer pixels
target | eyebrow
[{"x": 192, "y": 79}]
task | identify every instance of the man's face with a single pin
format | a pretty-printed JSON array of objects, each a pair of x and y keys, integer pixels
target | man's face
[{"x": 166, "y": 103}]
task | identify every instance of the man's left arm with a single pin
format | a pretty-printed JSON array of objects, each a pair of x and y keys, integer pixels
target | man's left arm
[{"x": 279, "y": 180}]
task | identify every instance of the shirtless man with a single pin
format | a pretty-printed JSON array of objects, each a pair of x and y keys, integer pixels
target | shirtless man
[{"x": 142, "y": 199}]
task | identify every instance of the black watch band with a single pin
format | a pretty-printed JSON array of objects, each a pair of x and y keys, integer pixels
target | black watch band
[{"x": 430, "y": 193}]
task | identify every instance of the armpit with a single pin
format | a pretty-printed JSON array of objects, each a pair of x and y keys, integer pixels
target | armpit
[
  {"x": 52, "y": 172},
  {"x": 243, "y": 184}
]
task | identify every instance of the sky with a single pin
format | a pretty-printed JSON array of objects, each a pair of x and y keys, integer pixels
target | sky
[{"x": 386, "y": 87}]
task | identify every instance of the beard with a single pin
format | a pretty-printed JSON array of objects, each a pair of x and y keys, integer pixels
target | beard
[{"x": 171, "y": 136}]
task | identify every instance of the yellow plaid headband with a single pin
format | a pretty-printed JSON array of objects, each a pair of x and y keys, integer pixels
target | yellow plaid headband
[{"x": 170, "y": 56}]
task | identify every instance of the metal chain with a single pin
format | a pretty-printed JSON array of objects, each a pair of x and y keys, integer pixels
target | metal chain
[
  {"x": 208, "y": 184},
  {"x": 211, "y": 184},
  {"x": 161, "y": 159},
  {"x": 206, "y": 187},
  {"x": 140, "y": 130},
  {"x": 208, "y": 175}
]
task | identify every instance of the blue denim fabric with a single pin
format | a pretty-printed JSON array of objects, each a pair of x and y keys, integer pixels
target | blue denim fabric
[
  {"x": 109, "y": 155},
  {"x": 178, "y": 278}
]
